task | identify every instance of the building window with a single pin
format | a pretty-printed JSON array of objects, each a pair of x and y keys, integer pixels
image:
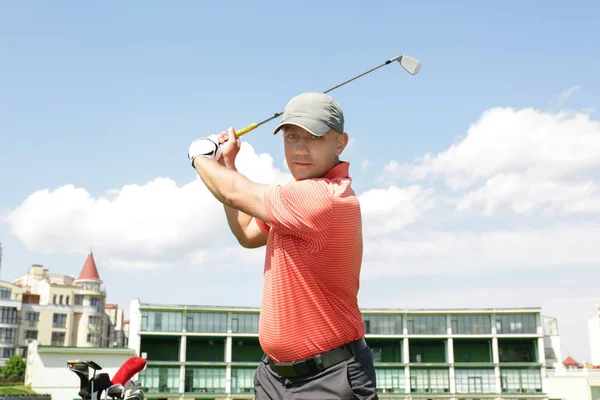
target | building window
[
  {"x": 207, "y": 322},
  {"x": 521, "y": 380},
  {"x": 475, "y": 381},
  {"x": 94, "y": 320},
  {"x": 5, "y": 293},
  {"x": 59, "y": 321},
  {"x": 162, "y": 379},
  {"x": 8, "y": 353},
  {"x": 93, "y": 338},
  {"x": 58, "y": 339},
  {"x": 32, "y": 317},
  {"x": 31, "y": 334},
  {"x": 67, "y": 300},
  {"x": 242, "y": 380},
  {"x": 390, "y": 380},
  {"x": 516, "y": 323},
  {"x": 471, "y": 324},
  {"x": 54, "y": 299},
  {"x": 7, "y": 335},
  {"x": 426, "y": 324},
  {"x": 8, "y": 315},
  {"x": 78, "y": 299},
  {"x": 429, "y": 381},
  {"x": 244, "y": 323},
  {"x": 383, "y": 324},
  {"x": 96, "y": 302},
  {"x": 157, "y": 321},
  {"x": 208, "y": 380}
]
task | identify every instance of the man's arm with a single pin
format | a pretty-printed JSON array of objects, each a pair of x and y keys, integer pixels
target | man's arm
[
  {"x": 232, "y": 188},
  {"x": 245, "y": 228},
  {"x": 241, "y": 198}
]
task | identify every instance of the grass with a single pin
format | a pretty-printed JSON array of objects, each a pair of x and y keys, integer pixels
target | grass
[{"x": 16, "y": 389}]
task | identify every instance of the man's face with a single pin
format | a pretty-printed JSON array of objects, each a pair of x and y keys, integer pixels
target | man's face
[{"x": 310, "y": 156}]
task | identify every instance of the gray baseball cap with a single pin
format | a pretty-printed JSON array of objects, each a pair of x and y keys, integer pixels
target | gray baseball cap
[{"x": 315, "y": 112}]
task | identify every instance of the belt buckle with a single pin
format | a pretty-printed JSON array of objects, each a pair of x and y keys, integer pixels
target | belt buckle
[{"x": 286, "y": 368}]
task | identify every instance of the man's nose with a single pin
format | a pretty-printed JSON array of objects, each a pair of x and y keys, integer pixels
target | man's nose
[{"x": 301, "y": 147}]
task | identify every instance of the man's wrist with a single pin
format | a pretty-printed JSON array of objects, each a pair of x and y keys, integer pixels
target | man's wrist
[{"x": 201, "y": 158}]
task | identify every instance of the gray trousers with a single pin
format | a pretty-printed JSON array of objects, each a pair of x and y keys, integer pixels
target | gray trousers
[{"x": 351, "y": 379}]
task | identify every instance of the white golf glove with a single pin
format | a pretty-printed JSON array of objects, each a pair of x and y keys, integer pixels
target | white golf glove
[{"x": 206, "y": 146}]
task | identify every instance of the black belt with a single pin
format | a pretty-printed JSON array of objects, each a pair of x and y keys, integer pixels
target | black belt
[{"x": 319, "y": 362}]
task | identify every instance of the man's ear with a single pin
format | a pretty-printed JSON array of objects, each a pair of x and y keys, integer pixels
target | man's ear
[{"x": 342, "y": 142}]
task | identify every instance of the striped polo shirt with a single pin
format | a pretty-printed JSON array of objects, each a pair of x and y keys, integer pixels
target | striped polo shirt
[{"x": 312, "y": 267}]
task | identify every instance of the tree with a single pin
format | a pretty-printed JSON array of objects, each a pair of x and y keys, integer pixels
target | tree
[{"x": 15, "y": 366}]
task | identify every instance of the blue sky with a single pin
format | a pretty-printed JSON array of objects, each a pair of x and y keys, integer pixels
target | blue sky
[{"x": 101, "y": 97}]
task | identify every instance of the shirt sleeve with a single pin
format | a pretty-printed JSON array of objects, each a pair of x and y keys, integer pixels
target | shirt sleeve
[
  {"x": 302, "y": 209},
  {"x": 266, "y": 228}
]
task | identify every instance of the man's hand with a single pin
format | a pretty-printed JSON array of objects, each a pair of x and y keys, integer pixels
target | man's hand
[
  {"x": 206, "y": 147},
  {"x": 229, "y": 148},
  {"x": 229, "y": 187}
]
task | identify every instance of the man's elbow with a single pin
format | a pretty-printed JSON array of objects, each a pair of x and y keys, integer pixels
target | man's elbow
[{"x": 249, "y": 243}]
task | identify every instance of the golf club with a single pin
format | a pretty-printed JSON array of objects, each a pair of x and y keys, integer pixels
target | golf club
[
  {"x": 135, "y": 394},
  {"x": 115, "y": 391},
  {"x": 411, "y": 65}
]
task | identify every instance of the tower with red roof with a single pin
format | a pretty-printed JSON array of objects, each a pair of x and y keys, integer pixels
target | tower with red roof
[{"x": 88, "y": 276}]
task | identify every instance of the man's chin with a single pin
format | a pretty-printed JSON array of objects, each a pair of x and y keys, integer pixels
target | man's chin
[{"x": 302, "y": 175}]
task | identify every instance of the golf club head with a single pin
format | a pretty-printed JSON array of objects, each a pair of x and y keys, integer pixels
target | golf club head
[
  {"x": 115, "y": 391},
  {"x": 135, "y": 394},
  {"x": 93, "y": 365},
  {"x": 411, "y": 65}
]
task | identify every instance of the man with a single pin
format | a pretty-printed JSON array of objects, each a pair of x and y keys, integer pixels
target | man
[{"x": 311, "y": 328}]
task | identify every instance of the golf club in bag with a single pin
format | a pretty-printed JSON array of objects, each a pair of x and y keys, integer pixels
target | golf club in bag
[
  {"x": 410, "y": 64},
  {"x": 121, "y": 387}
]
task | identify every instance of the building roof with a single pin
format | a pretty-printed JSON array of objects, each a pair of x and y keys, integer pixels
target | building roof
[
  {"x": 569, "y": 361},
  {"x": 89, "y": 272}
]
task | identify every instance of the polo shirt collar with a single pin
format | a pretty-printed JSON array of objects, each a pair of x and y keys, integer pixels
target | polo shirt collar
[{"x": 339, "y": 171}]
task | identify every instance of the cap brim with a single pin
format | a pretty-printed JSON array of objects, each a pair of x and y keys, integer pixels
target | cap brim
[{"x": 314, "y": 127}]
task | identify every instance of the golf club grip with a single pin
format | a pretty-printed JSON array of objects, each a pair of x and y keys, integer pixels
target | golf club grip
[{"x": 246, "y": 129}]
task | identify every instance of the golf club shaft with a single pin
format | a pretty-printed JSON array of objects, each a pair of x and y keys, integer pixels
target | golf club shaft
[{"x": 255, "y": 125}]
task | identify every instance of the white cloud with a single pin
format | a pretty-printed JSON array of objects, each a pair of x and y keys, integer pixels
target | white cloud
[
  {"x": 526, "y": 160},
  {"x": 463, "y": 252},
  {"x": 505, "y": 140},
  {"x": 390, "y": 210},
  {"x": 137, "y": 226},
  {"x": 523, "y": 161},
  {"x": 524, "y": 195}
]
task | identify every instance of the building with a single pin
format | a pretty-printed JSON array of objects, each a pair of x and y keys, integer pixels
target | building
[
  {"x": 212, "y": 351},
  {"x": 60, "y": 310},
  {"x": 10, "y": 312},
  {"x": 55, "y": 310},
  {"x": 571, "y": 380},
  {"x": 118, "y": 327},
  {"x": 0, "y": 258},
  {"x": 46, "y": 367},
  {"x": 594, "y": 336}
]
